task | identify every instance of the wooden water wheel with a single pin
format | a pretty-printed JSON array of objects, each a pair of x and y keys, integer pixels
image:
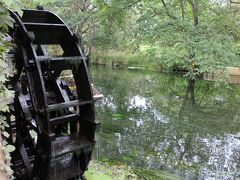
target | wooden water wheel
[{"x": 52, "y": 125}]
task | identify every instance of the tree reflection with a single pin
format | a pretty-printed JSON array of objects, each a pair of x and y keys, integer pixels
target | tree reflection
[{"x": 167, "y": 123}]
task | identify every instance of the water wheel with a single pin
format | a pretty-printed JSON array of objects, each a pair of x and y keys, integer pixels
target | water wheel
[{"x": 52, "y": 124}]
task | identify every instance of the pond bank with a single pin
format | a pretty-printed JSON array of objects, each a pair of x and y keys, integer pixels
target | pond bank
[
  {"x": 98, "y": 170},
  {"x": 140, "y": 61},
  {"x": 115, "y": 58},
  {"x": 231, "y": 75},
  {"x": 105, "y": 171}
]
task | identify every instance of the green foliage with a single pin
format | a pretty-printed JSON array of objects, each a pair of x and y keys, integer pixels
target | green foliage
[
  {"x": 98, "y": 23},
  {"x": 83, "y": 19},
  {"x": 6, "y": 71},
  {"x": 13, "y": 5}
]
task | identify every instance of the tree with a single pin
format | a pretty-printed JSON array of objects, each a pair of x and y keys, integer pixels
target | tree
[{"x": 189, "y": 39}]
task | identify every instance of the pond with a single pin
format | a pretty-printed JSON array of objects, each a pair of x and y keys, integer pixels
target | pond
[{"x": 148, "y": 122}]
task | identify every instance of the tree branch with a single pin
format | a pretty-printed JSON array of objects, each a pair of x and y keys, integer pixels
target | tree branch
[{"x": 167, "y": 10}]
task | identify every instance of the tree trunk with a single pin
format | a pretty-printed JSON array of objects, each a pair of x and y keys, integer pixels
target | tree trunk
[
  {"x": 183, "y": 9},
  {"x": 88, "y": 54},
  {"x": 194, "y": 5}
]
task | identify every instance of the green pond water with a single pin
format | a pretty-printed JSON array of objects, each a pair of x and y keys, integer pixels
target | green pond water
[{"x": 149, "y": 123}]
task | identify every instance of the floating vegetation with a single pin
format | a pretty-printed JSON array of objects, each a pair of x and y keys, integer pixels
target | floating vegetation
[{"x": 106, "y": 171}]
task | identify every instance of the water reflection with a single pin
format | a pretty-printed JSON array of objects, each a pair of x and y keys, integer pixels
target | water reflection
[{"x": 157, "y": 122}]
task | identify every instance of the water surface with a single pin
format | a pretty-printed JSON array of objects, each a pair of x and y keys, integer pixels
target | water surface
[{"x": 148, "y": 122}]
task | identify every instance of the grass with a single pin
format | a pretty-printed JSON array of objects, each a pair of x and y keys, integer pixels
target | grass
[
  {"x": 99, "y": 170},
  {"x": 104, "y": 171},
  {"x": 116, "y": 58}
]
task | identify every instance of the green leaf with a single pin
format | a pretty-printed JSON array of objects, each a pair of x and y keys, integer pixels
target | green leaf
[
  {"x": 10, "y": 148},
  {"x": 5, "y": 134}
]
